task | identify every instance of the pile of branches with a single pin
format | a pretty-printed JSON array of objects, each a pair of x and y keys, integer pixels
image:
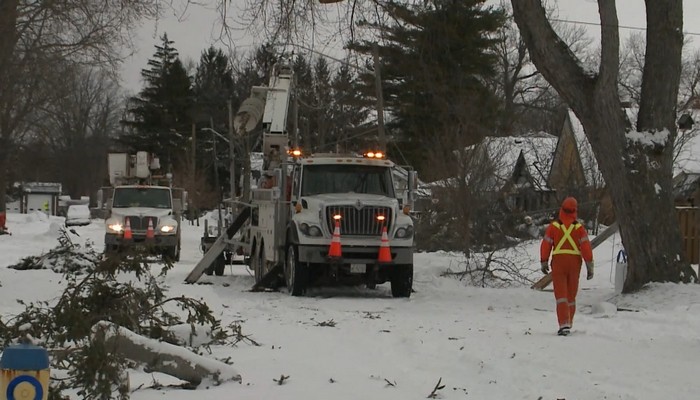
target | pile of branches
[
  {"x": 67, "y": 257},
  {"x": 118, "y": 291},
  {"x": 497, "y": 269}
]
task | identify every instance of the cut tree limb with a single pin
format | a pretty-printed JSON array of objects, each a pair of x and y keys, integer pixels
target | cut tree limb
[
  {"x": 547, "y": 279},
  {"x": 163, "y": 357}
]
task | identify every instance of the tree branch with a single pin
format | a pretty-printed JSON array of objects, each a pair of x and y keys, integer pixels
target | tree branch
[{"x": 560, "y": 67}]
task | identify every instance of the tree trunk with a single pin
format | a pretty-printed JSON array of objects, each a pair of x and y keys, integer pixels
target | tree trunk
[{"x": 638, "y": 173}]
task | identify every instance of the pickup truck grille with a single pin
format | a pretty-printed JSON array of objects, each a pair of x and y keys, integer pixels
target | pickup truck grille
[
  {"x": 140, "y": 224},
  {"x": 359, "y": 222}
]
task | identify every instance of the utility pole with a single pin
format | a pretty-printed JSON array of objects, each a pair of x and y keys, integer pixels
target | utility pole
[
  {"x": 194, "y": 151},
  {"x": 231, "y": 150},
  {"x": 380, "y": 97}
]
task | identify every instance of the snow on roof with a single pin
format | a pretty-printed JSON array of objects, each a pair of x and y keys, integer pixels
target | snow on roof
[
  {"x": 503, "y": 152},
  {"x": 41, "y": 187},
  {"x": 537, "y": 149},
  {"x": 687, "y": 146},
  {"x": 589, "y": 163}
]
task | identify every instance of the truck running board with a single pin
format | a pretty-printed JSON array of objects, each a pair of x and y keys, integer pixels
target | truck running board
[{"x": 218, "y": 246}]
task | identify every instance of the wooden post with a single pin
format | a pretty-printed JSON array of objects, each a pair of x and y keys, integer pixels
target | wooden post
[{"x": 380, "y": 97}]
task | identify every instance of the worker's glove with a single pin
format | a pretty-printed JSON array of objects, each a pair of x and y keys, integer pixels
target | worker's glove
[
  {"x": 589, "y": 269},
  {"x": 545, "y": 267}
]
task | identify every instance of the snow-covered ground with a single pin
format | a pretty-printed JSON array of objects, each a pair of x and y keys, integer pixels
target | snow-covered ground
[{"x": 363, "y": 344}]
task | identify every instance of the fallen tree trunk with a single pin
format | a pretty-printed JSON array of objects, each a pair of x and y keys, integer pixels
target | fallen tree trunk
[
  {"x": 163, "y": 357},
  {"x": 547, "y": 279}
]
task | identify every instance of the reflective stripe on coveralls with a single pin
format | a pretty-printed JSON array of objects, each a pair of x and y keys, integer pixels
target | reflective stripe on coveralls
[{"x": 566, "y": 238}]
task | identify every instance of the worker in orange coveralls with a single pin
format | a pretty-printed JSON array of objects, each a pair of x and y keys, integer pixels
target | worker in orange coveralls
[{"x": 568, "y": 243}]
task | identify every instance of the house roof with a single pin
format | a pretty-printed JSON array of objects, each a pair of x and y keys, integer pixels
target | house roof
[
  {"x": 684, "y": 184},
  {"x": 687, "y": 146},
  {"x": 41, "y": 187},
  {"x": 503, "y": 152},
  {"x": 588, "y": 161}
]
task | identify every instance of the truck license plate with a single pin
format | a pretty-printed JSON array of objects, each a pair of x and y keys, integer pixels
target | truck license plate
[{"x": 358, "y": 268}]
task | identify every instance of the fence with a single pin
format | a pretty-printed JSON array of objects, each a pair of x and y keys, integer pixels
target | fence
[{"x": 689, "y": 219}]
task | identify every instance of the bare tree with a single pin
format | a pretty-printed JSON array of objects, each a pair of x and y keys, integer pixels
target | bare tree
[
  {"x": 635, "y": 163},
  {"x": 34, "y": 35},
  {"x": 77, "y": 125},
  {"x": 519, "y": 84}
]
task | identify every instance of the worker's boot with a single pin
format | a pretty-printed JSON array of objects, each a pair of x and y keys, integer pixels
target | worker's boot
[{"x": 565, "y": 331}]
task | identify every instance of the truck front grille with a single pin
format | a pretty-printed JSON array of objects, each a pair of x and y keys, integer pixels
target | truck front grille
[
  {"x": 359, "y": 222},
  {"x": 140, "y": 224}
]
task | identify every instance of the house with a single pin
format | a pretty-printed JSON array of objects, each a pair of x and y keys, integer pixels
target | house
[
  {"x": 514, "y": 169},
  {"x": 575, "y": 172},
  {"x": 38, "y": 196}
]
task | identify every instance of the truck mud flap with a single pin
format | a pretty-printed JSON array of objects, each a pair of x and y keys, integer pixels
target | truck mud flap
[
  {"x": 219, "y": 246},
  {"x": 271, "y": 280}
]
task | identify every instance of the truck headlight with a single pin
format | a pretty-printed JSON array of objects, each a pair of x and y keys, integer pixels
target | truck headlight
[
  {"x": 167, "y": 228},
  {"x": 115, "y": 227},
  {"x": 404, "y": 232},
  {"x": 310, "y": 230}
]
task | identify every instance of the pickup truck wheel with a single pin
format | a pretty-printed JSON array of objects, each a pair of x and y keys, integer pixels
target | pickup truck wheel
[
  {"x": 295, "y": 273},
  {"x": 402, "y": 280}
]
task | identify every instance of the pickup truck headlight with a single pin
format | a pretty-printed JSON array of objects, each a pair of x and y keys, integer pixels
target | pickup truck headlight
[
  {"x": 310, "y": 230},
  {"x": 404, "y": 232}
]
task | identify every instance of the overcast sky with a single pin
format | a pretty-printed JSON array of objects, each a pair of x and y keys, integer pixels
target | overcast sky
[{"x": 197, "y": 27}]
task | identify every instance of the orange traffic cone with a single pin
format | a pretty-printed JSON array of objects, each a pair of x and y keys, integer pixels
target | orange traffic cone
[
  {"x": 150, "y": 233},
  {"x": 384, "y": 250},
  {"x": 335, "y": 251},
  {"x": 127, "y": 229}
]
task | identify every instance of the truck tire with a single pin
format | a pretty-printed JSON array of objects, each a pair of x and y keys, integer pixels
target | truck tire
[
  {"x": 257, "y": 262},
  {"x": 172, "y": 253},
  {"x": 402, "y": 280},
  {"x": 220, "y": 265},
  {"x": 296, "y": 274}
]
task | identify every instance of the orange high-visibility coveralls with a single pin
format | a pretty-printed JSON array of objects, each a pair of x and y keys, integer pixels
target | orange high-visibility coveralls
[{"x": 568, "y": 243}]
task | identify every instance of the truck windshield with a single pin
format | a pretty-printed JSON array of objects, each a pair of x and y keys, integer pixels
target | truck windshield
[
  {"x": 141, "y": 197},
  {"x": 319, "y": 179}
]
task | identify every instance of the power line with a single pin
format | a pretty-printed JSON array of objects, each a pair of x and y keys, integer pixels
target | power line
[{"x": 569, "y": 21}]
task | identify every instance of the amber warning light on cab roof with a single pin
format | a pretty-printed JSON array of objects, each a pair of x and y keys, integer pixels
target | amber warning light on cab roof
[
  {"x": 374, "y": 154},
  {"x": 294, "y": 152}
]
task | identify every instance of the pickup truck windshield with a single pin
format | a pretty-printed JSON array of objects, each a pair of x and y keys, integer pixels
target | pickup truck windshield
[
  {"x": 141, "y": 197},
  {"x": 319, "y": 179}
]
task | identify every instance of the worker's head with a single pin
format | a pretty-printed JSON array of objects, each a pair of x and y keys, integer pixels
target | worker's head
[
  {"x": 569, "y": 206},
  {"x": 528, "y": 220}
]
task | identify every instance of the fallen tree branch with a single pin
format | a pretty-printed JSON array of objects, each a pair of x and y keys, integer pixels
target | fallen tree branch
[{"x": 163, "y": 357}]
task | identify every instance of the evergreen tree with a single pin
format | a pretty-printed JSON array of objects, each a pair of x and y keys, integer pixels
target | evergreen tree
[
  {"x": 434, "y": 61},
  {"x": 160, "y": 116},
  {"x": 212, "y": 89},
  {"x": 349, "y": 110}
]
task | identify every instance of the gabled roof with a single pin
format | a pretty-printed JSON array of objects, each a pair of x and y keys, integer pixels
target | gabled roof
[
  {"x": 685, "y": 183},
  {"x": 589, "y": 163},
  {"x": 535, "y": 150},
  {"x": 687, "y": 146}
]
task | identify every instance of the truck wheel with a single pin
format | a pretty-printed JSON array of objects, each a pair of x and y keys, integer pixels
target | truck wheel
[
  {"x": 402, "y": 280},
  {"x": 172, "y": 253},
  {"x": 257, "y": 262},
  {"x": 295, "y": 273},
  {"x": 220, "y": 265}
]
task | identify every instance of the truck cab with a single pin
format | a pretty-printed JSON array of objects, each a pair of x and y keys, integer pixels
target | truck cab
[
  {"x": 357, "y": 195},
  {"x": 142, "y": 209}
]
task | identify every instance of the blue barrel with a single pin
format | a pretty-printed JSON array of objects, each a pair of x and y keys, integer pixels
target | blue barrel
[{"x": 25, "y": 373}]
